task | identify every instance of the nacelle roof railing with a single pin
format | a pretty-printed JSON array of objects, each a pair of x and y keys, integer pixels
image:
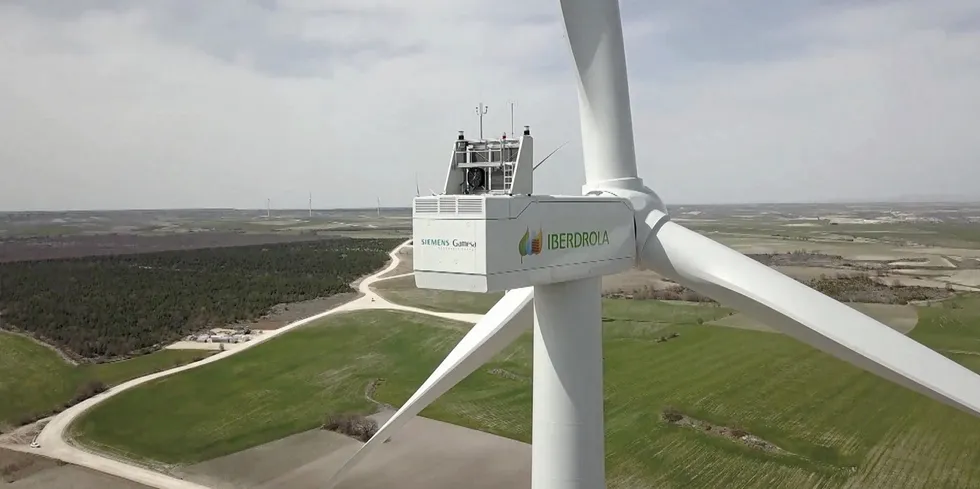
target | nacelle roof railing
[{"x": 489, "y": 151}]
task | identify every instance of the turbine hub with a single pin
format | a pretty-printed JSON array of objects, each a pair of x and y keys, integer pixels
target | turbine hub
[{"x": 649, "y": 210}]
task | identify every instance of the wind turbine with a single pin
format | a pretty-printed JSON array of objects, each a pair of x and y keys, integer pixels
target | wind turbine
[
  {"x": 561, "y": 272},
  {"x": 418, "y": 191}
]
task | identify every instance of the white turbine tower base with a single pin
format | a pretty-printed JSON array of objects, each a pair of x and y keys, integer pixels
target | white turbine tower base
[{"x": 465, "y": 242}]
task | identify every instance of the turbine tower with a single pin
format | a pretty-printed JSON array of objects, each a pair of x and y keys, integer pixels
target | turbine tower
[
  {"x": 554, "y": 249},
  {"x": 311, "y": 204}
]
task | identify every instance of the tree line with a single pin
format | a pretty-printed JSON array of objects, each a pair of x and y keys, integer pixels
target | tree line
[{"x": 110, "y": 306}]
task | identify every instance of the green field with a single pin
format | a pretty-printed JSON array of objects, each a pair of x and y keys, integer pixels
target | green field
[
  {"x": 402, "y": 291},
  {"x": 842, "y": 427},
  {"x": 34, "y": 379},
  {"x": 283, "y": 386}
]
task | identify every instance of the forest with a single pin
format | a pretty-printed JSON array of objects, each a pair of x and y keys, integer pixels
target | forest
[{"x": 106, "y": 307}]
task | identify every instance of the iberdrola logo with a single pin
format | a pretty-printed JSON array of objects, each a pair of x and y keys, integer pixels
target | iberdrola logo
[{"x": 530, "y": 244}]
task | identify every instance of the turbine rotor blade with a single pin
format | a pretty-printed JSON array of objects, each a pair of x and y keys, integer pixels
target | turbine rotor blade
[
  {"x": 594, "y": 30},
  {"x": 503, "y": 323},
  {"x": 798, "y": 311}
]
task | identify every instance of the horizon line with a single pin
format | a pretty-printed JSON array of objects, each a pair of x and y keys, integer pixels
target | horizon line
[{"x": 409, "y": 207}]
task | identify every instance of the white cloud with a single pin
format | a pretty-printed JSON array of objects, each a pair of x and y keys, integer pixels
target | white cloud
[{"x": 183, "y": 104}]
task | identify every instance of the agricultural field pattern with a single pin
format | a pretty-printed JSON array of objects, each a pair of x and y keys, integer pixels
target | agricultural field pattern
[{"x": 697, "y": 395}]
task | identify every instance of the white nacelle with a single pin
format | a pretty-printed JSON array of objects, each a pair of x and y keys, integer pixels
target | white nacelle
[{"x": 489, "y": 243}]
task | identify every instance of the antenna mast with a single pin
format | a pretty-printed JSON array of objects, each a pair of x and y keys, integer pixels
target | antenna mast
[
  {"x": 512, "y": 120},
  {"x": 481, "y": 110}
]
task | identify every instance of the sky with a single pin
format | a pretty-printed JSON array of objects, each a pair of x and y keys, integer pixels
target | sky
[{"x": 108, "y": 104}]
